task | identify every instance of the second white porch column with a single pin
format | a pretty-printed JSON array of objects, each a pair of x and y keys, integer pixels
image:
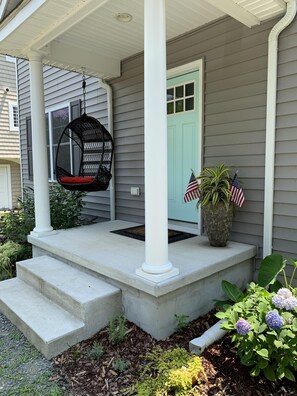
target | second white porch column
[
  {"x": 157, "y": 266},
  {"x": 40, "y": 164}
]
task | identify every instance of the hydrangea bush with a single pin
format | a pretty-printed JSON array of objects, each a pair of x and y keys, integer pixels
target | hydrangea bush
[{"x": 263, "y": 321}]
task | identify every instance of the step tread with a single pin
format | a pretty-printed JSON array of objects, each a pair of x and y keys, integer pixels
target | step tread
[
  {"x": 77, "y": 284},
  {"x": 45, "y": 318}
]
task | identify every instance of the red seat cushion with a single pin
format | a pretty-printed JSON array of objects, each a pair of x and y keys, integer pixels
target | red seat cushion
[{"x": 76, "y": 179}]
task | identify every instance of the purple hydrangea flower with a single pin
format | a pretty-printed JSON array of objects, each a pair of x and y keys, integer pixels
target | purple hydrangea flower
[
  {"x": 290, "y": 303},
  {"x": 284, "y": 293},
  {"x": 274, "y": 320},
  {"x": 284, "y": 299},
  {"x": 242, "y": 326}
]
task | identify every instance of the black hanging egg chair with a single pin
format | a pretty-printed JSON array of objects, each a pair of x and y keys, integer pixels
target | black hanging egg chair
[{"x": 91, "y": 151}]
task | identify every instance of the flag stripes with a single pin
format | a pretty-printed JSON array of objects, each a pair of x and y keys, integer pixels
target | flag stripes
[{"x": 192, "y": 191}]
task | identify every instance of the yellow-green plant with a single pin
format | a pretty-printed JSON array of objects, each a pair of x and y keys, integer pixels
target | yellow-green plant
[
  {"x": 170, "y": 372},
  {"x": 215, "y": 185}
]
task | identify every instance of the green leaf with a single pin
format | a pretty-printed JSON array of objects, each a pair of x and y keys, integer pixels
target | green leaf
[
  {"x": 278, "y": 343},
  {"x": 255, "y": 371},
  {"x": 223, "y": 305},
  {"x": 263, "y": 364},
  {"x": 227, "y": 326},
  {"x": 232, "y": 291},
  {"x": 289, "y": 375},
  {"x": 276, "y": 286},
  {"x": 263, "y": 353},
  {"x": 269, "y": 373},
  {"x": 270, "y": 267},
  {"x": 221, "y": 315}
]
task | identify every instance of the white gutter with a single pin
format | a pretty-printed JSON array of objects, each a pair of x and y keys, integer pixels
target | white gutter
[
  {"x": 108, "y": 89},
  {"x": 270, "y": 123}
]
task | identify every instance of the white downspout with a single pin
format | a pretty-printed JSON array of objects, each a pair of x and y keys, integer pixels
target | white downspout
[
  {"x": 270, "y": 123},
  {"x": 108, "y": 89}
]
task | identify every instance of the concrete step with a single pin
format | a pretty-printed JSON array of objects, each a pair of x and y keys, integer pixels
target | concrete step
[
  {"x": 46, "y": 325},
  {"x": 88, "y": 298}
]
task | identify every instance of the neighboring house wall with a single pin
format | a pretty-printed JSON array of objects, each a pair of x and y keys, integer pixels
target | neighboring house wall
[
  {"x": 63, "y": 87},
  {"x": 9, "y": 131}
]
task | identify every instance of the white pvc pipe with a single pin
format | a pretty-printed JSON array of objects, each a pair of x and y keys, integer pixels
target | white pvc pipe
[
  {"x": 108, "y": 89},
  {"x": 213, "y": 334},
  {"x": 270, "y": 123}
]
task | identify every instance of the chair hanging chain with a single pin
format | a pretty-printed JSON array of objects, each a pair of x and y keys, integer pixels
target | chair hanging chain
[{"x": 84, "y": 91}]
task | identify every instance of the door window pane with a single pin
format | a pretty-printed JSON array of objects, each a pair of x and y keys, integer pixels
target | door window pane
[
  {"x": 189, "y": 104},
  {"x": 181, "y": 98}
]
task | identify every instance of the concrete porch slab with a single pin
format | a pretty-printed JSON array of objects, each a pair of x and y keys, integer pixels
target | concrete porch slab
[{"x": 152, "y": 306}]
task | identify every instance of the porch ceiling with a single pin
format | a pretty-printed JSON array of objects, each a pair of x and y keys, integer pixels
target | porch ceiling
[{"x": 76, "y": 34}]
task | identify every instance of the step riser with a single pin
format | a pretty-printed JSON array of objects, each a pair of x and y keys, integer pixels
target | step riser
[
  {"x": 56, "y": 305},
  {"x": 48, "y": 347},
  {"x": 49, "y": 350},
  {"x": 95, "y": 314},
  {"x": 48, "y": 290}
]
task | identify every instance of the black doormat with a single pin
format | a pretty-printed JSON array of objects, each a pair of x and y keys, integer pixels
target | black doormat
[{"x": 138, "y": 232}]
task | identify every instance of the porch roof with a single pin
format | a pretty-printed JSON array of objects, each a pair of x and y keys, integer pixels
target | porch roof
[{"x": 87, "y": 34}]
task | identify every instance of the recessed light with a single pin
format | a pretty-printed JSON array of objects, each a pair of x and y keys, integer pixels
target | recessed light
[{"x": 124, "y": 17}]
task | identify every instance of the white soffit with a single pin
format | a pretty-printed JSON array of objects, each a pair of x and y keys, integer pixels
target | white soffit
[
  {"x": 250, "y": 12},
  {"x": 76, "y": 34}
]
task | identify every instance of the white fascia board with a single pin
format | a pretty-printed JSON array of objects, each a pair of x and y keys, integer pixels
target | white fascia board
[
  {"x": 20, "y": 18},
  {"x": 3, "y": 6},
  {"x": 236, "y": 12},
  {"x": 81, "y": 60},
  {"x": 63, "y": 24}
]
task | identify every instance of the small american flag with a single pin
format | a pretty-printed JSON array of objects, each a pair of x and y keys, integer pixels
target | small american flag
[
  {"x": 237, "y": 195},
  {"x": 192, "y": 191}
]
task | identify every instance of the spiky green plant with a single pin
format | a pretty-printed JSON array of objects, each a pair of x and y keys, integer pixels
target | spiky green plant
[{"x": 215, "y": 185}]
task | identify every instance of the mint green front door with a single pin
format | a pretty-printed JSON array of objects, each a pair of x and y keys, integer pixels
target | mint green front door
[{"x": 182, "y": 121}]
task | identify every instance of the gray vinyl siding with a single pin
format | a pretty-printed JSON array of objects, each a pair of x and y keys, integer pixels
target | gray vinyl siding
[
  {"x": 285, "y": 201},
  {"x": 235, "y": 61},
  {"x": 62, "y": 87}
]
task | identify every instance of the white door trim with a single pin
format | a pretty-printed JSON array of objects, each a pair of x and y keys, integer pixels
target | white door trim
[
  {"x": 9, "y": 184},
  {"x": 183, "y": 69}
]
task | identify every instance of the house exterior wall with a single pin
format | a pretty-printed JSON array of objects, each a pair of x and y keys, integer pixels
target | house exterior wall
[
  {"x": 235, "y": 83},
  {"x": 235, "y": 60},
  {"x": 235, "y": 80},
  {"x": 285, "y": 201},
  {"x": 9, "y": 139},
  {"x": 62, "y": 87}
]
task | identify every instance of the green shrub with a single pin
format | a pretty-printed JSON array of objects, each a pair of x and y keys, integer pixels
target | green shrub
[
  {"x": 10, "y": 252},
  {"x": 15, "y": 225},
  {"x": 120, "y": 365},
  {"x": 117, "y": 329},
  {"x": 171, "y": 372},
  {"x": 263, "y": 321},
  {"x": 181, "y": 322},
  {"x": 97, "y": 351}
]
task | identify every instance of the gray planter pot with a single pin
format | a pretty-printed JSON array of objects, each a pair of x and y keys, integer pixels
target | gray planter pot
[{"x": 217, "y": 223}]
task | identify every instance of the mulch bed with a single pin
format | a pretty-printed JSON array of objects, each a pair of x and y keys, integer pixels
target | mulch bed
[{"x": 84, "y": 376}]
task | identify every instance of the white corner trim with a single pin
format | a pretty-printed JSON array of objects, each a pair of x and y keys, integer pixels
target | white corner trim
[{"x": 271, "y": 122}]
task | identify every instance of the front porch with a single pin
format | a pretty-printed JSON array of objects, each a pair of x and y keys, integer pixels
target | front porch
[{"x": 152, "y": 306}]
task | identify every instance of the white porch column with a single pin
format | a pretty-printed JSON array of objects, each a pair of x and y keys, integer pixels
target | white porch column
[
  {"x": 39, "y": 150},
  {"x": 157, "y": 266}
]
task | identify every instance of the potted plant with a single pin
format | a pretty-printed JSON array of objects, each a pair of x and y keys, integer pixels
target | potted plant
[{"x": 216, "y": 204}]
